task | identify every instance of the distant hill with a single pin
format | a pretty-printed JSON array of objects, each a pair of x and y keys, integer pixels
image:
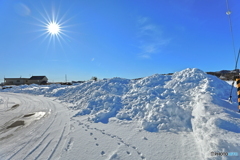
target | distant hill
[{"x": 225, "y": 74}]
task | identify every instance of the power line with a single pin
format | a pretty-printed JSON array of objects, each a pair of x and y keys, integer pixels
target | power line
[
  {"x": 233, "y": 44},
  {"x": 231, "y": 30}
]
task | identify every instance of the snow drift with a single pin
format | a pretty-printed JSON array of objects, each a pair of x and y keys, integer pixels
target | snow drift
[{"x": 189, "y": 101}]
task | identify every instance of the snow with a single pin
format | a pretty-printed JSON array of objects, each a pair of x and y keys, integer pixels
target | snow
[
  {"x": 183, "y": 116},
  {"x": 33, "y": 129},
  {"x": 230, "y": 82}
]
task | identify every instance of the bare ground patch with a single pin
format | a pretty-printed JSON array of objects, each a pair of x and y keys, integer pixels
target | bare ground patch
[
  {"x": 23, "y": 120},
  {"x": 16, "y": 124},
  {"x": 15, "y": 106},
  {"x": 28, "y": 115}
]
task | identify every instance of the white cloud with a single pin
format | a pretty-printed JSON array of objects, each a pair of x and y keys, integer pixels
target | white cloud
[
  {"x": 151, "y": 37},
  {"x": 146, "y": 56},
  {"x": 22, "y": 9},
  {"x": 142, "y": 20}
]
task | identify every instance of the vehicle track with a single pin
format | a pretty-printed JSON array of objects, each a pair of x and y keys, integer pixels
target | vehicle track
[
  {"x": 41, "y": 138},
  {"x": 59, "y": 140}
]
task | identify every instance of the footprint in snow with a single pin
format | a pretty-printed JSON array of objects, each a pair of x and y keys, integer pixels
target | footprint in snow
[
  {"x": 72, "y": 127},
  {"x": 79, "y": 123},
  {"x": 87, "y": 125},
  {"x": 145, "y": 138},
  {"x": 69, "y": 145},
  {"x": 121, "y": 141}
]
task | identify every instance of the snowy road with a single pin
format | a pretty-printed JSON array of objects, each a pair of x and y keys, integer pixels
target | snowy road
[
  {"x": 36, "y": 127},
  {"x": 32, "y": 127}
]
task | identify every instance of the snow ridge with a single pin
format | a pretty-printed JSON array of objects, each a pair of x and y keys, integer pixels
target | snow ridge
[{"x": 187, "y": 101}]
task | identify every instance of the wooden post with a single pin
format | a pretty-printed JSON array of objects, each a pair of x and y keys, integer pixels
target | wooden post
[{"x": 238, "y": 91}]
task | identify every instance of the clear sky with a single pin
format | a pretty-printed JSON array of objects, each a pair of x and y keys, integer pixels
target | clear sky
[{"x": 115, "y": 38}]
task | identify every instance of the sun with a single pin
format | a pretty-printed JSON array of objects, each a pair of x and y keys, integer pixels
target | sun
[
  {"x": 53, "y": 28},
  {"x": 54, "y": 25}
]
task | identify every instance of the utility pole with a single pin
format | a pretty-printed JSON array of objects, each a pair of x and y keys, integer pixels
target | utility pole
[{"x": 66, "y": 78}]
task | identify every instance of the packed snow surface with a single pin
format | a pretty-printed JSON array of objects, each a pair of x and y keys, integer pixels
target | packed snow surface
[{"x": 189, "y": 103}]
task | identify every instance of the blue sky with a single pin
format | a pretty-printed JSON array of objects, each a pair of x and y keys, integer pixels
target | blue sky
[{"x": 115, "y": 38}]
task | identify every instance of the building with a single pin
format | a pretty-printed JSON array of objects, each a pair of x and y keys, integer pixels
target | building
[
  {"x": 78, "y": 81},
  {"x": 15, "y": 81},
  {"x": 37, "y": 80},
  {"x": 20, "y": 81}
]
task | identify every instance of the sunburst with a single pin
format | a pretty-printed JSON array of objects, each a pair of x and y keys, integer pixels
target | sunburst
[{"x": 53, "y": 26}]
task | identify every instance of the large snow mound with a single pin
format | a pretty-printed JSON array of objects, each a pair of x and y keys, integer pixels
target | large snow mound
[
  {"x": 159, "y": 102},
  {"x": 189, "y": 101}
]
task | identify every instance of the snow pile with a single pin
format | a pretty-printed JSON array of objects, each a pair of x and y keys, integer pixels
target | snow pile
[
  {"x": 101, "y": 99},
  {"x": 189, "y": 100},
  {"x": 155, "y": 105},
  {"x": 159, "y": 102}
]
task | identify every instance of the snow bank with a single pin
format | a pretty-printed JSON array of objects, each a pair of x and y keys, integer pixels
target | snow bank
[{"x": 189, "y": 100}]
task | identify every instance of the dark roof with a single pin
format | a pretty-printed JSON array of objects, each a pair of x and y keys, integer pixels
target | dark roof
[
  {"x": 37, "y": 77},
  {"x": 14, "y": 78}
]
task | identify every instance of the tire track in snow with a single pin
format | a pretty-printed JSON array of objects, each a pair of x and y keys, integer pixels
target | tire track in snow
[
  {"x": 36, "y": 139},
  {"x": 30, "y": 142},
  {"x": 32, "y": 139},
  {"x": 55, "y": 148},
  {"x": 35, "y": 148},
  {"x": 5, "y": 104},
  {"x": 71, "y": 140},
  {"x": 39, "y": 144},
  {"x": 46, "y": 146},
  {"x": 59, "y": 122}
]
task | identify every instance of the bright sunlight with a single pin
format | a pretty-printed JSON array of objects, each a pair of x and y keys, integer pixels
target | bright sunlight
[{"x": 53, "y": 28}]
